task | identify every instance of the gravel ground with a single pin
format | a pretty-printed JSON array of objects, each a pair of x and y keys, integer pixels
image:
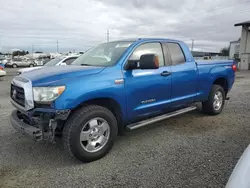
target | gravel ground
[{"x": 192, "y": 150}]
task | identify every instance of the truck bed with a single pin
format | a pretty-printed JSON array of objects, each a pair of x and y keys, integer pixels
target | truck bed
[
  {"x": 214, "y": 62},
  {"x": 215, "y": 69}
]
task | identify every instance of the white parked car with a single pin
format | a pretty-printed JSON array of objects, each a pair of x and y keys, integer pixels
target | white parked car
[
  {"x": 240, "y": 178},
  {"x": 19, "y": 62},
  {"x": 2, "y": 72},
  {"x": 62, "y": 60}
]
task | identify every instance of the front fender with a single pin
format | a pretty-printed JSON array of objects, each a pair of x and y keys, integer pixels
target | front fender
[
  {"x": 91, "y": 87},
  {"x": 116, "y": 94}
]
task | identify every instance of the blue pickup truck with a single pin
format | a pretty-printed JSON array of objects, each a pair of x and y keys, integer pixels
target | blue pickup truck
[{"x": 114, "y": 87}]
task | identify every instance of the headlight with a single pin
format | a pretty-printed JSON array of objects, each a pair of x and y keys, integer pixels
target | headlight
[{"x": 47, "y": 94}]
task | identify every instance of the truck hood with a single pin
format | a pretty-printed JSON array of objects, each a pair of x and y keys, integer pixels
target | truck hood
[{"x": 49, "y": 75}]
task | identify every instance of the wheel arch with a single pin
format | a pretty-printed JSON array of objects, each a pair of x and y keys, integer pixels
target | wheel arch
[
  {"x": 108, "y": 103},
  {"x": 222, "y": 81}
]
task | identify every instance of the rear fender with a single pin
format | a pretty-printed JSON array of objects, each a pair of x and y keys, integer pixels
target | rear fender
[
  {"x": 218, "y": 72},
  {"x": 225, "y": 72}
]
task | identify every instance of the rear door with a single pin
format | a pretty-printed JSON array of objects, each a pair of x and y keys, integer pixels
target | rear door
[
  {"x": 184, "y": 76},
  {"x": 19, "y": 62},
  {"x": 25, "y": 62}
]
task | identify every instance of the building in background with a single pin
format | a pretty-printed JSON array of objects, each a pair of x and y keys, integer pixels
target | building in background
[
  {"x": 244, "y": 53},
  {"x": 234, "y": 49}
]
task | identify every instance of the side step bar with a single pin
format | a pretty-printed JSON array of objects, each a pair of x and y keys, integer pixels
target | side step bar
[{"x": 159, "y": 118}]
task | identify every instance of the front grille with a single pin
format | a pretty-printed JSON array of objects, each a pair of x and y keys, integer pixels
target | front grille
[{"x": 17, "y": 94}]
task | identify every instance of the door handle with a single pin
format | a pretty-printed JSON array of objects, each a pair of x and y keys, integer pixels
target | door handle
[{"x": 166, "y": 73}]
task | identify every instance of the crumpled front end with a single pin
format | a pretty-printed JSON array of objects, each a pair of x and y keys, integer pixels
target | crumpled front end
[{"x": 38, "y": 121}]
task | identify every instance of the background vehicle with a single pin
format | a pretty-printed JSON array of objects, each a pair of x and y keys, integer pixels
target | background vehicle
[
  {"x": 114, "y": 87},
  {"x": 42, "y": 60},
  {"x": 19, "y": 62},
  {"x": 2, "y": 72},
  {"x": 4, "y": 61},
  {"x": 207, "y": 57},
  {"x": 62, "y": 60},
  {"x": 240, "y": 175}
]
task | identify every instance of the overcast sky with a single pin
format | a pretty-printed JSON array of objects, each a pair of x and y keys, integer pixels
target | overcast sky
[{"x": 80, "y": 24}]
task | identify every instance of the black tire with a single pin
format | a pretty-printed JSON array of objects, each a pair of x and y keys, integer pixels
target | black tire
[
  {"x": 32, "y": 65},
  {"x": 208, "y": 107},
  {"x": 74, "y": 125},
  {"x": 14, "y": 66}
]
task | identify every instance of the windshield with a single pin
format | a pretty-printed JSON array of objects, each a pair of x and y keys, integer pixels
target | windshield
[
  {"x": 53, "y": 62},
  {"x": 106, "y": 54}
]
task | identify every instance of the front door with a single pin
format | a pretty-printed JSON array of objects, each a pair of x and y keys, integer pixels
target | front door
[{"x": 148, "y": 91}]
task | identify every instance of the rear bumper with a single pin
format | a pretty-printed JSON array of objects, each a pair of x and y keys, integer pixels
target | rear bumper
[{"x": 31, "y": 131}]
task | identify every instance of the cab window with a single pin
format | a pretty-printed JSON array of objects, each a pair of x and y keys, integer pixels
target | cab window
[{"x": 148, "y": 48}]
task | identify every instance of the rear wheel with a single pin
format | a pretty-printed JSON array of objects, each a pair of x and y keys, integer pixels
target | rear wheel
[
  {"x": 90, "y": 132},
  {"x": 31, "y": 65},
  {"x": 14, "y": 66},
  {"x": 215, "y": 102}
]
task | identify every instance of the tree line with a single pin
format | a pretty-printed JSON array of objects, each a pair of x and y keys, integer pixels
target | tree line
[
  {"x": 16, "y": 53},
  {"x": 19, "y": 53}
]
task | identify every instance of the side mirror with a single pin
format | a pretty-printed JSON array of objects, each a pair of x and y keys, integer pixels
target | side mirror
[
  {"x": 147, "y": 61},
  {"x": 63, "y": 63}
]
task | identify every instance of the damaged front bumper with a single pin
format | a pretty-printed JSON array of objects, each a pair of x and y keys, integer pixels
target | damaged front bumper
[
  {"x": 39, "y": 124},
  {"x": 25, "y": 128}
]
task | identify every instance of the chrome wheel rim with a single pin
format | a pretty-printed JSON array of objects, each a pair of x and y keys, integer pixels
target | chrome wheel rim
[
  {"x": 94, "y": 135},
  {"x": 218, "y": 100}
]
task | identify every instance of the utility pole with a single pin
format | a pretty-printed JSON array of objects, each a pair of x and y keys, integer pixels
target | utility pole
[
  {"x": 57, "y": 49},
  {"x": 107, "y": 35},
  {"x": 32, "y": 50},
  {"x": 192, "y": 45}
]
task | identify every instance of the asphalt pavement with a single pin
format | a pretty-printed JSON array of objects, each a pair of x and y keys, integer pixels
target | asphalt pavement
[{"x": 191, "y": 150}]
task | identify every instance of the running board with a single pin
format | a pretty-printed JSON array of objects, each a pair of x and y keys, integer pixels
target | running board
[{"x": 159, "y": 118}]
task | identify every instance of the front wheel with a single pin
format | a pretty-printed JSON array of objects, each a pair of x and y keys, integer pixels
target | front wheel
[
  {"x": 90, "y": 132},
  {"x": 215, "y": 102}
]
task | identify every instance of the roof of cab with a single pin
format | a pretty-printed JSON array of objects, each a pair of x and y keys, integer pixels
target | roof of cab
[{"x": 146, "y": 39}]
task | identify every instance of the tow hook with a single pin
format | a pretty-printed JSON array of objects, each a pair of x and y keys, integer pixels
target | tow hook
[{"x": 52, "y": 128}]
